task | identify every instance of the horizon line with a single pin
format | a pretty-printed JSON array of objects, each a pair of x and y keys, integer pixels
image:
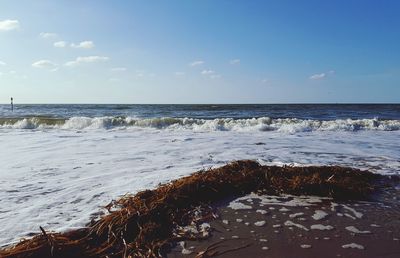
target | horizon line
[{"x": 272, "y": 103}]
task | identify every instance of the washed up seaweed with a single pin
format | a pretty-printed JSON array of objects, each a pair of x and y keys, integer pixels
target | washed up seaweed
[{"x": 144, "y": 224}]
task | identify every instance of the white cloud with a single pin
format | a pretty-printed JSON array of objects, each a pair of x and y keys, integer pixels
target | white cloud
[
  {"x": 234, "y": 61},
  {"x": 44, "y": 64},
  {"x": 8, "y": 25},
  {"x": 207, "y": 72},
  {"x": 60, "y": 44},
  {"x": 118, "y": 69},
  {"x": 2, "y": 63},
  {"x": 318, "y": 76},
  {"x": 264, "y": 80},
  {"x": 86, "y": 59},
  {"x": 196, "y": 63},
  {"x": 47, "y": 35},
  {"x": 84, "y": 44}
]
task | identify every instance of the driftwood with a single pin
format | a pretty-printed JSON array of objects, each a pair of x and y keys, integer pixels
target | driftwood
[{"x": 142, "y": 225}]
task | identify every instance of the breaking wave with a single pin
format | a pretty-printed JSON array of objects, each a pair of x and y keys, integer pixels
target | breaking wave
[{"x": 290, "y": 125}]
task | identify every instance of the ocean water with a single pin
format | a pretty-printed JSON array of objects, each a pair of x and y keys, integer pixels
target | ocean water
[{"x": 59, "y": 164}]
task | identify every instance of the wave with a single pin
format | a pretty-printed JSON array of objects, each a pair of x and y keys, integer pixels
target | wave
[{"x": 290, "y": 125}]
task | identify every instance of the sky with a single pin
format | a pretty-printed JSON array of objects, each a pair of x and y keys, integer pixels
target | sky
[{"x": 200, "y": 51}]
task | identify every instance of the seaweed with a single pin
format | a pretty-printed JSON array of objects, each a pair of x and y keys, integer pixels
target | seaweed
[{"x": 143, "y": 225}]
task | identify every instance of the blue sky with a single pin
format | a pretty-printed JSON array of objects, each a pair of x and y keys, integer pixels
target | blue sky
[{"x": 208, "y": 51}]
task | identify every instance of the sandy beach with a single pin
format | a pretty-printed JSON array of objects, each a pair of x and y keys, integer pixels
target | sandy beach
[{"x": 290, "y": 226}]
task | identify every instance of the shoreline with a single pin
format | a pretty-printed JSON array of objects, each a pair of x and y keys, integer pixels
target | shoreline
[{"x": 146, "y": 222}]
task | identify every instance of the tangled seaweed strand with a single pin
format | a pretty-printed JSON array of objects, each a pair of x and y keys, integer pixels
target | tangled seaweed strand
[{"x": 142, "y": 225}]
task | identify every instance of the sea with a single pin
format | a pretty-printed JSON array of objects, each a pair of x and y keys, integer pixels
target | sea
[{"x": 60, "y": 164}]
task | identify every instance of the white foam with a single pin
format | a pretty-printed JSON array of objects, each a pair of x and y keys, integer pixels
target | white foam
[
  {"x": 295, "y": 215},
  {"x": 291, "y": 223},
  {"x": 235, "y": 205},
  {"x": 357, "y": 231},
  {"x": 353, "y": 246},
  {"x": 319, "y": 215},
  {"x": 262, "y": 211},
  {"x": 57, "y": 177},
  {"x": 357, "y": 214},
  {"x": 321, "y": 227},
  {"x": 286, "y": 125},
  {"x": 349, "y": 216},
  {"x": 285, "y": 200},
  {"x": 260, "y": 223},
  {"x": 334, "y": 206},
  {"x": 184, "y": 250}
]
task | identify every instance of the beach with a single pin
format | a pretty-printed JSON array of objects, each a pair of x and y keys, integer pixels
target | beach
[{"x": 273, "y": 226}]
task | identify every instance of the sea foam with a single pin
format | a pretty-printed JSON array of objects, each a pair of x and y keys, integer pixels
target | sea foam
[
  {"x": 58, "y": 173},
  {"x": 287, "y": 125}
]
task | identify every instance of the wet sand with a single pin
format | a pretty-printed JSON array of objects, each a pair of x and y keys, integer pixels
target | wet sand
[{"x": 288, "y": 226}]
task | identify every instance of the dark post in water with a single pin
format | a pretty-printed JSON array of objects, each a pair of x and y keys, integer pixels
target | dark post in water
[{"x": 12, "y": 105}]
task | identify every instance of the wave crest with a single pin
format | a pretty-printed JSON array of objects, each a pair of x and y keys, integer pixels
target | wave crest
[{"x": 290, "y": 125}]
